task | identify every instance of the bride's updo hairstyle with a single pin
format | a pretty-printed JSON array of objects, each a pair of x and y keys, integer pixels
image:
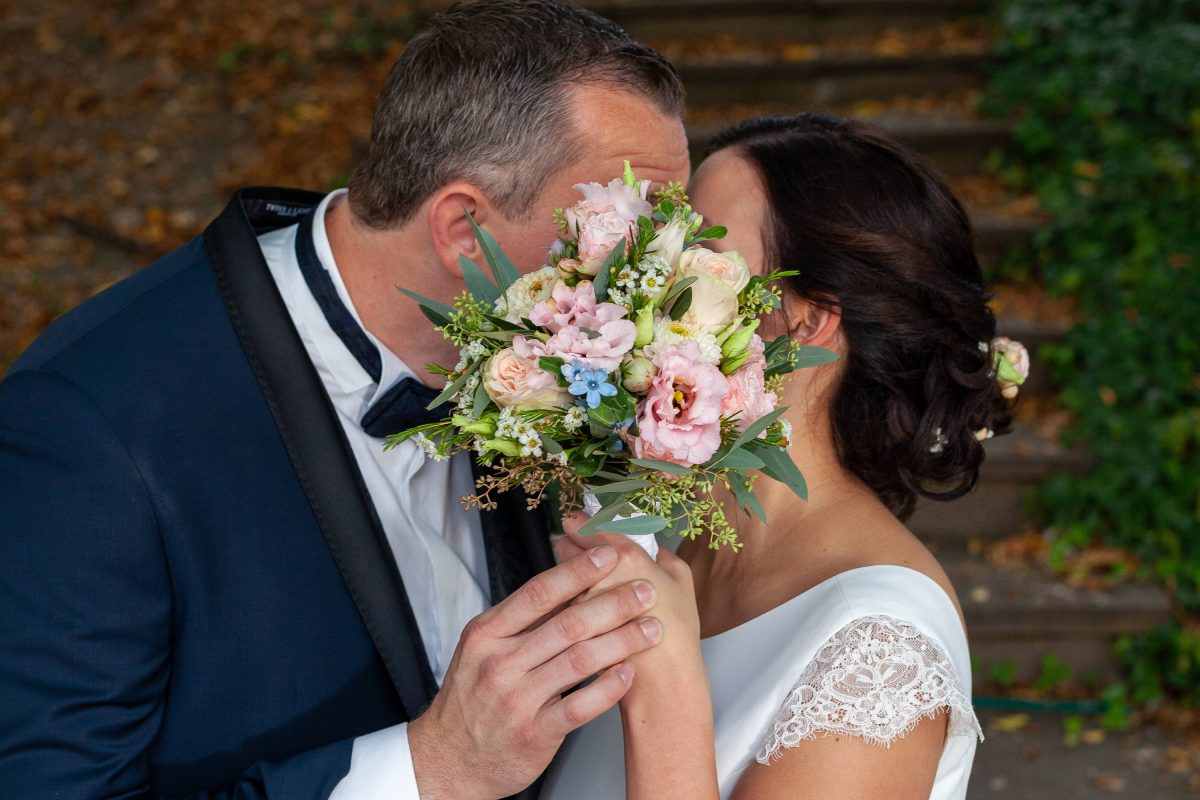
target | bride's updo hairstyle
[{"x": 876, "y": 234}]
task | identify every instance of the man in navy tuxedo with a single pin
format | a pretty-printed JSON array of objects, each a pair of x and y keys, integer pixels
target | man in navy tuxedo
[{"x": 213, "y": 582}]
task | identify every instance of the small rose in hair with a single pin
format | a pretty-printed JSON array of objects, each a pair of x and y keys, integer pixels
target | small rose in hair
[{"x": 1012, "y": 365}]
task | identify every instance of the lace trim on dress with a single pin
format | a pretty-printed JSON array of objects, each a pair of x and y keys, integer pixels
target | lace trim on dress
[{"x": 876, "y": 678}]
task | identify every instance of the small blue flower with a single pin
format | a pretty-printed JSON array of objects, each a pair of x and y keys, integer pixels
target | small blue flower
[
  {"x": 587, "y": 384},
  {"x": 617, "y": 429}
]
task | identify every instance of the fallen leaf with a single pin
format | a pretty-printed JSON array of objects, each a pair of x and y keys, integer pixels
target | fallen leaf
[{"x": 1011, "y": 722}]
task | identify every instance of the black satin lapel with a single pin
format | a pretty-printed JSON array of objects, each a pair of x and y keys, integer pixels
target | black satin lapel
[
  {"x": 313, "y": 437},
  {"x": 516, "y": 541}
]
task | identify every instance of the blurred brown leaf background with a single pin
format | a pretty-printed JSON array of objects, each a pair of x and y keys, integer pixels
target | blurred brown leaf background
[{"x": 125, "y": 126}]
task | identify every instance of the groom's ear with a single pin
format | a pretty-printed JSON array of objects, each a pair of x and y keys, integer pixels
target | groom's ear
[
  {"x": 449, "y": 229},
  {"x": 813, "y": 324}
]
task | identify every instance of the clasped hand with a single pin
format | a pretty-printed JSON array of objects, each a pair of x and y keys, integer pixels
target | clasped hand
[{"x": 501, "y": 715}]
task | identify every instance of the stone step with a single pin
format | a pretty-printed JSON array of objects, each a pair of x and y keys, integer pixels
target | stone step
[
  {"x": 996, "y": 235},
  {"x": 796, "y": 20},
  {"x": 998, "y": 505},
  {"x": 955, "y": 145},
  {"x": 1022, "y": 613},
  {"x": 828, "y": 80}
]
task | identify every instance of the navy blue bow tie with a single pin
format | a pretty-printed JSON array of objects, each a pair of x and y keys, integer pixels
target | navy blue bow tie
[{"x": 404, "y": 404}]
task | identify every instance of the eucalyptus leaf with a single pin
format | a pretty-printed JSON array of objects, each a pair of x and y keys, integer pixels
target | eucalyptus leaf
[
  {"x": 738, "y": 458},
  {"x": 621, "y": 487},
  {"x": 745, "y": 496},
  {"x": 635, "y": 525},
  {"x": 451, "y": 389},
  {"x": 758, "y": 426},
  {"x": 499, "y": 336},
  {"x": 778, "y": 464},
  {"x": 550, "y": 445},
  {"x": 604, "y": 276},
  {"x": 814, "y": 357},
  {"x": 433, "y": 305},
  {"x": 681, "y": 304},
  {"x": 481, "y": 400},
  {"x": 505, "y": 273},
  {"x": 504, "y": 324},
  {"x": 662, "y": 466},
  {"x": 434, "y": 317},
  {"x": 677, "y": 287},
  {"x": 478, "y": 284},
  {"x": 611, "y": 509}
]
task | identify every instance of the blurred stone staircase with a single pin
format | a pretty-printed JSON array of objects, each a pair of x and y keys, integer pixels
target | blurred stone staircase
[{"x": 915, "y": 68}]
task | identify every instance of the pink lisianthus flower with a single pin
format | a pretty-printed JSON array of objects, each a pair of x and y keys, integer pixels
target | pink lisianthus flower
[
  {"x": 748, "y": 400},
  {"x": 574, "y": 306},
  {"x": 680, "y": 417},
  {"x": 604, "y": 216},
  {"x": 606, "y": 350}
]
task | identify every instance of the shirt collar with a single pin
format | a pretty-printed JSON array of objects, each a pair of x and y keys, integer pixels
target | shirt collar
[{"x": 344, "y": 367}]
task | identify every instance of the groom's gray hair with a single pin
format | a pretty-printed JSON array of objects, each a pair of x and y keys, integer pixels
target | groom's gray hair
[{"x": 482, "y": 95}]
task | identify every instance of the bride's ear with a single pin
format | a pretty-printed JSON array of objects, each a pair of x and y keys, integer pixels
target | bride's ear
[
  {"x": 449, "y": 229},
  {"x": 812, "y": 324}
]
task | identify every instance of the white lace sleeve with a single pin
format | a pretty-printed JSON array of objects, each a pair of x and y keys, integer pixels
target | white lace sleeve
[{"x": 876, "y": 678}]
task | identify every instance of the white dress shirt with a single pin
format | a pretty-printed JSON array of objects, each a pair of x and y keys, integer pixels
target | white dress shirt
[{"x": 443, "y": 564}]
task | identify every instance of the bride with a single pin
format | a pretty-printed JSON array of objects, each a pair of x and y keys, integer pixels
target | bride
[{"x": 832, "y": 646}]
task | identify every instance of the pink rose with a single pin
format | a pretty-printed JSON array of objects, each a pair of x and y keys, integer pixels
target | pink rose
[
  {"x": 577, "y": 307},
  {"x": 515, "y": 380},
  {"x": 605, "y": 350},
  {"x": 603, "y": 218},
  {"x": 680, "y": 417},
  {"x": 748, "y": 399}
]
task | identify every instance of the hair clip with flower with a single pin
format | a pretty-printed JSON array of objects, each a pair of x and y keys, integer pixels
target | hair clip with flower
[{"x": 1010, "y": 368}]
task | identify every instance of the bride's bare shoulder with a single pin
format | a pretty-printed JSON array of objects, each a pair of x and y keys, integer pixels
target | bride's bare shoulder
[{"x": 878, "y": 538}]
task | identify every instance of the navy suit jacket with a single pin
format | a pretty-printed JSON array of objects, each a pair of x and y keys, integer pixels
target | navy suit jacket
[{"x": 196, "y": 596}]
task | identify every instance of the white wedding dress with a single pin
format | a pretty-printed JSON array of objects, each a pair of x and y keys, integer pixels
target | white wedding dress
[{"x": 869, "y": 653}]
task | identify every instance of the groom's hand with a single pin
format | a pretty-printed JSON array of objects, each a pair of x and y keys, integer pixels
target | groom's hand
[{"x": 500, "y": 715}]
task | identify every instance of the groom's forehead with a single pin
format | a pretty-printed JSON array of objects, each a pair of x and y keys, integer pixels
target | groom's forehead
[{"x": 615, "y": 125}]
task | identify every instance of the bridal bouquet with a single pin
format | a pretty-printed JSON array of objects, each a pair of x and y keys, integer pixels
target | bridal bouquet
[{"x": 627, "y": 373}]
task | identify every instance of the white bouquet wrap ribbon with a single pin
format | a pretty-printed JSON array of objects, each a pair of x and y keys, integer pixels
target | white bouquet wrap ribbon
[{"x": 646, "y": 541}]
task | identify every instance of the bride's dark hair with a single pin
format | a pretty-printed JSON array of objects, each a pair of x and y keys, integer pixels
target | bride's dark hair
[{"x": 878, "y": 235}]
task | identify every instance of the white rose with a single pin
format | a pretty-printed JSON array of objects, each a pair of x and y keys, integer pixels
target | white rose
[
  {"x": 529, "y": 290},
  {"x": 714, "y": 303},
  {"x": 729, "y": 267}
]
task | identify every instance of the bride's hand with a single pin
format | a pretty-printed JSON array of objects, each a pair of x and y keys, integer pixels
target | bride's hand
[
  {"x": 669, "y": 700},
  {"x": 677, "y": 657}
]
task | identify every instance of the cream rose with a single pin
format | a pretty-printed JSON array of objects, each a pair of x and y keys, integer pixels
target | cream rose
[
  {"x": 728, "y": 267},
  {"x": 714, "y": 304},
  {"x": 514, "y": 381}
]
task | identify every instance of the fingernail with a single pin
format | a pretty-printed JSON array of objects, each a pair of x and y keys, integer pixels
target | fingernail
[
  {"x": 644, "y": 592},
  {"x": 625, "y": 673},
  {"x": 651, "y": 629},
  {"x": 603, "y": 556}
]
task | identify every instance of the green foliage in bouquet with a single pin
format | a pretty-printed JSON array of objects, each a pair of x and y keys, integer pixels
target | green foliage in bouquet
[
  {"x": 1106, "y": 94},
  {"x": 572, "y": 428}
]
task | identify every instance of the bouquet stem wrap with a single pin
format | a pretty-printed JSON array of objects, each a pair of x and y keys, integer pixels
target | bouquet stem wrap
[{"x": 646, "y": 541}]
